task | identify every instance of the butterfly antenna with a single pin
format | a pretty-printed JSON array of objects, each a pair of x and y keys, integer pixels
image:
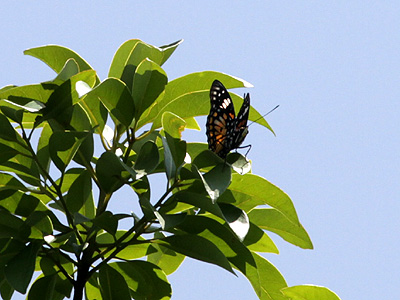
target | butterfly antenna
[{"x": 264, "y": 115}]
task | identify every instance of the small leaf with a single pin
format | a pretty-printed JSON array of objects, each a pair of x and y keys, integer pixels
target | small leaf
[
  {"x": 112, "y": 284},
  {"x": 173, "y": 124},
  {"x": 309, "y": 292},
  {"x": 24, "y": 260},
  {"x": 239, "y": 163}
]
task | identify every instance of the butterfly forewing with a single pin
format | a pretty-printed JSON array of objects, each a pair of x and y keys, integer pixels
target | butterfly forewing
[{"x": 224, "y": 131}]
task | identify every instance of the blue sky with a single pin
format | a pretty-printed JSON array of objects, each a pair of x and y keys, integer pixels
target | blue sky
[{"x": 332, "y": 66}]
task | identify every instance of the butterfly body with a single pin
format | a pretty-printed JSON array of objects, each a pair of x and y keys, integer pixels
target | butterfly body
[{"x": 225, "y": 132}]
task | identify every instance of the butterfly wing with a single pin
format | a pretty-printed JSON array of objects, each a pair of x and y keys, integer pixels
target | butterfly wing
[
  {"x": 220, "y": 121},
  {"x": 241, "y": 128}
]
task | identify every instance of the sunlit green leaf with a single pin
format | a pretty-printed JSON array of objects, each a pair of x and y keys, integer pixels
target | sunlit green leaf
[
  {"x": 173, "y": 124},
  {"x": 115, "y": 96},
  {"x": 167, "y": 259},
  {"x": 56, "y": 56},
  {"x": 309, "y": 292},
  {"x": 148, "y": 83},
  {"x": 274, "y": 221},
  {"x": 258, "y": 241},
  {"x": 109, "y": 169},
  {"x": 249, "y": 190}
]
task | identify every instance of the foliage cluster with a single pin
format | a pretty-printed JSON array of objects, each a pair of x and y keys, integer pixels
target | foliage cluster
[{"x": 55, "y": 189}]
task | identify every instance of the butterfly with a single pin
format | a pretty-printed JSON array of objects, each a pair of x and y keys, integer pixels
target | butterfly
[{"x": 224, "y": 131}]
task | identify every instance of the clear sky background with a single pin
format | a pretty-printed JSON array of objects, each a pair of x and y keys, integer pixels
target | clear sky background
[{"x": 334, "y": 69}]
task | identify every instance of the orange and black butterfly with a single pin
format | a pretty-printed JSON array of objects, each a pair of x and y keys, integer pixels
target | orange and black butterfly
[{"x": 226, "y": 132}]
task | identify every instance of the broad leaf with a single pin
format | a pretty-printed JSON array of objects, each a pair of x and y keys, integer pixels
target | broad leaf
[
  {"x": 79, "y": 192},
  {"x": 198, "y": 248},
  {"x": 217, "y": 180},
  {"x": 116, "y": 97},
  {"x": 309, "y": 292},
  {"x": 63, "y": 147},
  {"x": 147, "y": 159},
  {"x": 249, "y": 190},
  {"x": 24, "y": 260},
  {"x": 258, "y": 241},
  {"x": 56, "y": 57},
  {"x": 146, "y": 280},
  {"x": 112, "y": 284},
  {"x": 148, "y": 84},
  {"x": 272, "y": 220},
  {"x": 109, "y": 170}
]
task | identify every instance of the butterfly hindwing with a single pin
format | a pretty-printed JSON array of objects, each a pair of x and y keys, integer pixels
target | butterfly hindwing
[{"x": 224, "y": 131}]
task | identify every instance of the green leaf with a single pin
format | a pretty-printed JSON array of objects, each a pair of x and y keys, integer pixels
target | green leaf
[
  {"x": 149, "y": 82},
  {"x": 131, "y": 53},
  {"x": 146, "y": 280},
  {"x": 40, "y": 225},
  {"x": 266, "y": 280},
  {"x": 258, "y": 241},
  {"x": 6, "y": 153},
  {"x": 22, "y": 204},
  {"x": 309, "y": 292},
  {"x": 58, "y": 106},
  {"x": 173, "y": 124},
  {"x": 15, "y": 115},
  {"x": 198, "y": 248},
  {"x": 11, "y": 226},
  {"x": 56, "y": 57},
  {"x": 44, "y": 288},
  {"x": 239, "y": 163},
  {"x": 167, "y": 259},
  {"x": 109, "y": 168},
  {"x": 24, "y": 167},
  {"x": 147, "y": 159},
  {"x": 63, "y": 147},
  {"x": 69, "y": 69},
  {"x": 24, "y": 260},
  {"x": 170, "y": 167},
  {"x": 43, "y": 153},
  {"x": 116, "y": 97},
  {"x": 6, "y": 290},
  {"x": 217, "y": 180},
  {"x": 7, "y": 132},
  {"x": 112, "y": 284},
  {"x": 272, "y": 220},
  {"x": 92, "y": 288},
  {"x": 107, "y": 221},
  {"x": 237, "y": 219},
  {"x": 249, "y": 190},
  {"x": 9, "y": 182},
  {"x": 79, "y": 192}
]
